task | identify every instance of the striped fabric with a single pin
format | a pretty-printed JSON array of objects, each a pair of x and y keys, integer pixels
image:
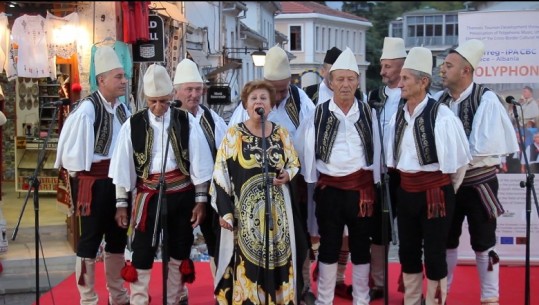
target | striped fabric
[
  {"x": 478, "y": 178},
  {"x": 176, "y": 182}
]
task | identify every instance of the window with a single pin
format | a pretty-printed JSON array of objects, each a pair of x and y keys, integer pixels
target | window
[
  {"x": 317, "y": 37},
  {"x": 295, "y": 38},
  {"x": 323, "y": 38}
]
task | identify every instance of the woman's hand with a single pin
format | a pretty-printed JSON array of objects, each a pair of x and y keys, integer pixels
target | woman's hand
[
  {"x": 226, "y": 224},
  {"x": 281, "y": 178}
]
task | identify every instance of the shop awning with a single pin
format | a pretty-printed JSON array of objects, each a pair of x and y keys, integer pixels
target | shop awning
[
  {"x": 199, "y": 57},
  {"x": 225, "y": 67},
  {"x": 168, "y": 10}
]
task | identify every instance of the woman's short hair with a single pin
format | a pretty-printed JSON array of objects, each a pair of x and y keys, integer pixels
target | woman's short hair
[{"x": 258, "y": 84}]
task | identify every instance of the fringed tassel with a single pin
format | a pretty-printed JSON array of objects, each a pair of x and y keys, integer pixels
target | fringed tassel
[
  {"x": 315, "y": 272},
  {"x": 493, "y": 259},
  {"x": 187, "y": 270},
  {"x": 438, "y": 295},
  {"x": 81, "y": 281},
  {"x": 129, "y": 273},
  {"x": 400, "y": 284},
  {"x": 435, "y": 203}
]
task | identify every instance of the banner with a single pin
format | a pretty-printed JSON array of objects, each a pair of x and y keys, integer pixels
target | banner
[
  {"x": 511, "y": 45},
  {"x": 510, "y": 62}
]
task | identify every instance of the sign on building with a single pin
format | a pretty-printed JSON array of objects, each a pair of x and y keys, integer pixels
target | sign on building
[{"x": 154, "y": 49}]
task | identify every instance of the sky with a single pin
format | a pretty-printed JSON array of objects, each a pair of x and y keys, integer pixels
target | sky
[{"x": 334, "y": 4}]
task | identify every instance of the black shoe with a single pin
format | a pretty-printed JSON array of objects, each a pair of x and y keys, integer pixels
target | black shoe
[
  {"x": 376, "y": 292},
  {"x": 344, "y": 291},
  {"x": 308, "y": 298}
]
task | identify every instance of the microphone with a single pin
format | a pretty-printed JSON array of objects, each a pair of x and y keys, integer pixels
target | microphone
[
  {"x": 175, "y": 103},
  {"x": 511, "y": 100},
  {"x": 62, "y": 102},
  {"x": 260, "y": 111}
]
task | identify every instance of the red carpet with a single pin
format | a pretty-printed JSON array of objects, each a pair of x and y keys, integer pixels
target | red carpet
[{"x": 465, "y": 291}]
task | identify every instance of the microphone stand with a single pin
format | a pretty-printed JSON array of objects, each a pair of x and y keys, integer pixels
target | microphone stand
[
  {"x": 530, "y": 189},
  {"x": 162, "y": 214},
  {"x": 269, "y": 217},
  {"x": 387, "y": 211},
  {"x": 34, "y": 185}
]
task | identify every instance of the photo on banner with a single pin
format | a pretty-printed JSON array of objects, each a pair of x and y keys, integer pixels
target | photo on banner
[{"x": 510, "y": 67}]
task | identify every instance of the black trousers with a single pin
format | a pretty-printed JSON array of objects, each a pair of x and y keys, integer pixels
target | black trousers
[
  {"x": 417, "y": 233},
  {"x": 100, "y": 223},
  {"x": 180, "y": 232},
  {"x": 481, "y": 227},
  {"x": 336, "y": 208}
]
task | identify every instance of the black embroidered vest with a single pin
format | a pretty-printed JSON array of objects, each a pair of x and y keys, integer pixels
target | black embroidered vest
[
  {"x": 142, "y": 138},
  {"x": 326, "y": 125},
  {"x": 208, "y": 127},
  {"x": 468, "y": 106},
  {"x": 423, "y": 133},
  {"x": 104, "y": 122},
  {"x": 377, "y": 98}
]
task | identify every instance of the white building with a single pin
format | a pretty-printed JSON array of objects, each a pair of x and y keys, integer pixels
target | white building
[
  {"x": 221, "y": 35},
  {"x": 312, "y": 29}
]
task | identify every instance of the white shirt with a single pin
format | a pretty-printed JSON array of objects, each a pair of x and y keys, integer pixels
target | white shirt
[
  {"x": 77, "y": 139},
  {"x": 492, "y": 134},
  {"x": 452, "y": 146},
  {"x": 347, "y": 155},
  {"x": 122, "y": 166}
]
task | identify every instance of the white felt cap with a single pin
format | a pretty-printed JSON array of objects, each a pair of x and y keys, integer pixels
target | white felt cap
[
  {"x": 472, "y": 50},
  {"x": 419, "y": 59},
  {"x": 393, "y": 48},
  {"x": 187, "y": 72},
  {"x": 105, "y": 59},
  {"x": 157, "y": 82},
  {"x": 277, "y": 66},
  {"x": 346, "y": 61}
]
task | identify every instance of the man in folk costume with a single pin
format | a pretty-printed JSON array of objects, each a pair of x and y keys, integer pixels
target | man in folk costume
[
  {"x": 293, "y": 107},
  {"x": 427, "y": 144},
  {"x": 491, "y": 135},
  {"x": 188, "y": 89},
  {"x": 136, "y": 166},
  {"x": 336, "y": 145},
  {"x": 385, "y": 100},
  {"x": 85, "y": 147},
  {"x": 322, "y": 92}
]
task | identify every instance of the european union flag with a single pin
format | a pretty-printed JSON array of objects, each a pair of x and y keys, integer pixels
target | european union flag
[{"x": 506, "y": 240}]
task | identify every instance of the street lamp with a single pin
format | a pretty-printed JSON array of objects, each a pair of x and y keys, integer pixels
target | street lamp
[{"x": 258, "y": 56}]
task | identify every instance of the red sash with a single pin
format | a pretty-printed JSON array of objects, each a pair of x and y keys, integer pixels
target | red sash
[
  {"x": 361, "y": 181},
  {"x": 98, "y": 171},
  {"x": 430, "y": 182}
]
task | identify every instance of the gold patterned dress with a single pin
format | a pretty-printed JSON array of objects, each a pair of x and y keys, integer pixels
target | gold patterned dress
[{"x": 237, "y": 188}]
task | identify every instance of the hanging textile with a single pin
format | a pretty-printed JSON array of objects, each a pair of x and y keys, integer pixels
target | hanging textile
[
  {"x": 62, "y": 33},
  {"x": 30, "y": 34},
  {"x": 135, "y": 21},
  {"x": 4, "y": 42},
  {"x": 122, "y": 50}
]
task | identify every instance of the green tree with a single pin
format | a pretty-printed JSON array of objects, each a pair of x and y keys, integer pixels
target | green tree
[{"x": 380, "y": 14}]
